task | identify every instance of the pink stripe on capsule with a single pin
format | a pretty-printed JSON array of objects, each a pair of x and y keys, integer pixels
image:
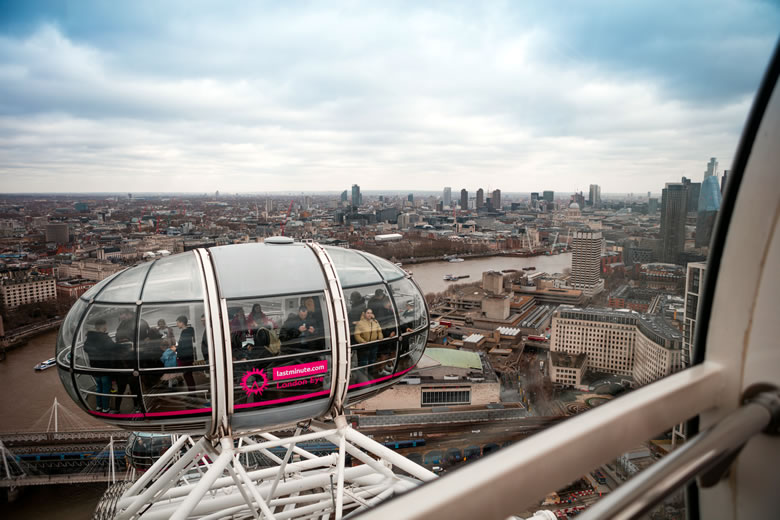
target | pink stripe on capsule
[
  {"x": 282, "y": 400},
  {"x": 385, "y": 378}
]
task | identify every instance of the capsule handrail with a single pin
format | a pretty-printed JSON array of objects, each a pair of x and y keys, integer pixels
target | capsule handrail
[{"x": 711, "y": 450}]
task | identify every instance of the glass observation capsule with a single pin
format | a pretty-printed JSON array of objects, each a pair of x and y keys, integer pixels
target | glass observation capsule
[
  {"x": 246, "y": 336},
  {"x": 143, "y": 449}
]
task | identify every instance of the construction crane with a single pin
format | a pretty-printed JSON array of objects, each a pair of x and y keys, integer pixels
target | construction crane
[
  {"x": 287, "y": 217},
  {"x": 555, "y": 241}
]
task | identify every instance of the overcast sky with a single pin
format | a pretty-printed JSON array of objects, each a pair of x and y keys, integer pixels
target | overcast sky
[{"x": 296, "y": 96}]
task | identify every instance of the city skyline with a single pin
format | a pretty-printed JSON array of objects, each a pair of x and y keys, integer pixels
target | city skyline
[{"x": 122, "y": 99}]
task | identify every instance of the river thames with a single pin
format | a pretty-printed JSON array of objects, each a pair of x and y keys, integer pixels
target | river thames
[
  {"x": 430, "y": 276},
  {"x": 26, "y": 399}
]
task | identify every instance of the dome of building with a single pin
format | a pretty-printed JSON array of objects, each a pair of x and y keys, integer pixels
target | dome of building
[
  {"x": 574, "y": 205},
  {"x": 249, "y": 336}
]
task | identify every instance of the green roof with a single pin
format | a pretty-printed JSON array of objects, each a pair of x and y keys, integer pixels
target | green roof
[{"x": 455, "y": 358}]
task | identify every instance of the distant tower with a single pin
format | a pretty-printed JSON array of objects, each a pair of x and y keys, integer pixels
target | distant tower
[
  {"x": 480, "y": 198},
  {"x": 548, "y": 196},
  {"x": 534, "y": 199},
  {"x": 594, "y": 196},
  {"x": 712, "y": 168},
  {"x": 497, "y": 199},
  {"x": 464, "y": 199},
  {"x": 357, "y": 198},
  {"x": 723, "y": 182},
  {"x": 344, "y": 196},
  {"x": 709, "y": 204},
  {"x": 674, "y": 209},
  {"x": 447, "y": 196},
  {"x": 410, "y": 197},
  {"x": 652, "y": 206},
  {"x": 586, "y": 263},
  {"x": 694, "y": 188}
]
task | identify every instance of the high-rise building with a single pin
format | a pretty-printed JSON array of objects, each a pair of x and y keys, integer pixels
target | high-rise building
[
  {"x": 693, "y": 285},
  {"x": 712, "y": 168},
  {"x": 586, "y": 263},
  {"x": 652, "y": 206},
  {"x": 594, "y": 196},
  {"x": 447, "y": 196},
  {"x": 480, "y": 198},
  {"x": 694, "y": 188},
  {"x": 548, "y": 196},
  {"x": 357, "y": 198},
  {"x": 57, "y": 232},
  {"x": 534, "y": 200},
  {"x": 344, "y": 196},
  {"x": 464, "y": 199},
  {"x": 410, "y": 197},
  {"x": 497, "y": 199},
  {"x": 723, "y": 182},
  {"x": 709, "y": 204},
  {"x": 674, "y": 209}
]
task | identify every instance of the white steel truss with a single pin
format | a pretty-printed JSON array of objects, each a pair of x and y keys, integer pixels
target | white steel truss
[{"x": 210, "y": 480}]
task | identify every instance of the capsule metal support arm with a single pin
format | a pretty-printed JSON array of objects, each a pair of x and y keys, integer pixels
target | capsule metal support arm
[{"x": 709, "y": 454}]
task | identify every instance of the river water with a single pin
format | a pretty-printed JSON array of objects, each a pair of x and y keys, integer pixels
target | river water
[
  {"x": 430, "y": 276},
  {"x": 25, "y": 399}
]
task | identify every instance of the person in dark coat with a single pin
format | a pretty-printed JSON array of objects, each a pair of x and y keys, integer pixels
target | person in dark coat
[
  {"x": 297, "y": 326},
  {"x": 185, "y": 349},
  {"x": 125, "y": 338},
  {"x": 101, "y": 350}
]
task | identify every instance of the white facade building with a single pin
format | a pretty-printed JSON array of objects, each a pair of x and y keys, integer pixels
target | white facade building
[
  {"x": 620, "y": 342},
  {"x": 586, "y": 263},
  {"x": 27, "y": 290}
]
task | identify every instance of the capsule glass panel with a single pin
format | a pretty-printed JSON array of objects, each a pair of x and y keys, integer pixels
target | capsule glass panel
[
  {"x": 66, "y": 332},
  {"x": 388, "y": 270},
  {"x": 281, "y": 351},
  {"x": 95, "y": 289},
  {"x": 173, "y": 359},
  {"x": 174, "y": 278},
  {"x": 352, "y": 267},
  {"x": 126, "y": 287}
]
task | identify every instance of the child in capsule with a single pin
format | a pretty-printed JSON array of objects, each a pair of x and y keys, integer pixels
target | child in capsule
[{"x": 168, "y": 359}]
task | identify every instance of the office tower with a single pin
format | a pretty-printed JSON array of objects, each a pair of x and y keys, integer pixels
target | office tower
[
  {"x": 652, "y": 206},
  {"x": 410, "y": 197},
  {"x": 694, "y": 188},
  {"x": 586, "y": 263},
  {"x": 344, "y": 196},
  {"x": 594, "y": 196},
  {"x": 57, "y": 232},
  {"x": 464, "y": 199},
  {"x": 447, "y": 198},
  {"x": 480, "y": 198},
  {"x": 674, "y": 207},
  {"x": 357, "y": 198},
  {"x": 693, "y": 283},
  {"x": 723, "y": 182},
  {"x": 709, "y": 204},
  {"x": 497, "y": 199},
  {"x": 534, "y": 199},
  {"x": 712, "y": 168},
  {"x": 549, "y": 196},
  {"x": 579, "y": 198}
]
